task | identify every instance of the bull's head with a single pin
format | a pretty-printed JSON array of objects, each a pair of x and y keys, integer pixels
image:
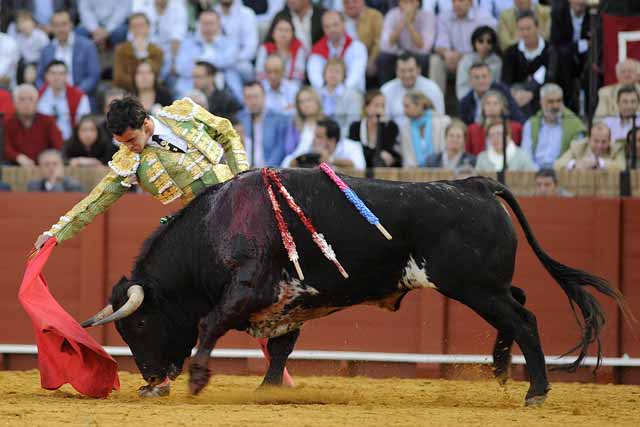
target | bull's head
[{"x": 159, "y": 342}]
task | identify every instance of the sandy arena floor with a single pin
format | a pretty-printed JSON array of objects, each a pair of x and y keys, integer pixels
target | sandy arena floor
[{"x": 329, "y": 401}]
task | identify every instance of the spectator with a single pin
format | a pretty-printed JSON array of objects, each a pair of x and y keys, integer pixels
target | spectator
[
  {"x": 89, "y": 146},
  {"x": 454, "y": 38},
  {"x": 280, "y": 93},
  {"x": 211, "y": 45},
  {"x": 10, "y": 54},
  {"x": 28, "y": 133},
  {"x": 169, "y": 24},
  {"x": 485, "y": 50},
  {"x": 342, "y": 104},
  {"x": 422, "y": 132},
  {"x": 66, "y": 103},
  {"x": 138, "y": 48},
  {"x": 597, "y": 151},
  {"x": 570, "y": 29},
  {"x": 306, "y": 18},
  {"x": 548, "y": 133},
  {"x": 453, "y": 157},
  {"x": 53, "y": 178},
  {"x": 627, "y": 73},
  {"x": 408, "y": 78},
  {"x": 406, "y": 29},
  {"x": 302, "y": 129},
  {"x": 526, "y": 64},
  {"x": 282, "y": 42},
  {"x": 621, "y": 124},
  {"x": 333, "y": 149},
  {"x": 266, "y": 129},
  {"x": 41, "y": 10},
  {"x": 30, "y": 39},
  {"x": 104, "y": 21},
  {"x": 492, "y": 159},
  {"x": 547, "y": 184},
  {"x": 221, "y": 102},
  {"x": 27, "y": 73},
  {"x": 365, "y": 24},
  {"x": 146, "y": 88},
  {"x": 78, "y": 52},
  {"x": 507, "y": 25},
  {"x": 377, "y": 134},
  {"x": 239, "y": 23},
  {"x": 481, "y": 81},
  {"x": 337, "y": 44},
  {"x": 493, "y": 108}
]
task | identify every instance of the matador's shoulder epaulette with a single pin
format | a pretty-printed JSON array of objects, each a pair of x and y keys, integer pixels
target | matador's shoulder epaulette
[
  {"x": 125, "y": 162},
  {"x": 182, "y": 110}
]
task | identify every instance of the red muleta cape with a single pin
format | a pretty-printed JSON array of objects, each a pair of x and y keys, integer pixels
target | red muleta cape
[{"x": 66, "y": 352}]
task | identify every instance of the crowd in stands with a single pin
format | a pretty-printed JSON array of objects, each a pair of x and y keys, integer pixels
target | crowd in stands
[{"x": 454, "y": 84}]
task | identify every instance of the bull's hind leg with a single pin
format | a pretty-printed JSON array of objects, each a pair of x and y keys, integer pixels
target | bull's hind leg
[
  {"x": 503, "y": 344},
  {"x": 279, "y": 350},
  {"x": 509, "y": 317}
]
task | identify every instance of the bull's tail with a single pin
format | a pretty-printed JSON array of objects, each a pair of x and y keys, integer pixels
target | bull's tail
[{"x": 573, "y": 282}]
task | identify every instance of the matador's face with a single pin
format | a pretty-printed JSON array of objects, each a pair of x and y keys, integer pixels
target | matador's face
[{"x": 136, "y": 139}]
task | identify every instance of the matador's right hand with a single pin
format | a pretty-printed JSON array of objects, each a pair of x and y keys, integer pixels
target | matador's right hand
[{"x": 42, "y": 239}]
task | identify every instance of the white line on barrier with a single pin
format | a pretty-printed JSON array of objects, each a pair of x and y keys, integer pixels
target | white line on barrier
[{"x": 232, "y": 353}]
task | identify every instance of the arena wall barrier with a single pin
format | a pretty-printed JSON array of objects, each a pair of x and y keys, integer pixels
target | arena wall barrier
[{"x": 601, "y": 235}]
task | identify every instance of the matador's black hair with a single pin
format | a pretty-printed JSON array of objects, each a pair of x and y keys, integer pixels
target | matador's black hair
[{"x": 125, "y": 113}]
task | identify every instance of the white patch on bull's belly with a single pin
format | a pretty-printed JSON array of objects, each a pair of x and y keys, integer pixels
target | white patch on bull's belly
[
  {"x": 415, "y": 277},
  {"x": 274, "y": 321}
]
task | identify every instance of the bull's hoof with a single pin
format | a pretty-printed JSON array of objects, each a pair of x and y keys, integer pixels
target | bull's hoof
[
  {"x": 154, "y": 391},
  {"x": 503, "y": 376},
  {"x": 198, "y": 378},
  {"x": 535, "y": 400}
]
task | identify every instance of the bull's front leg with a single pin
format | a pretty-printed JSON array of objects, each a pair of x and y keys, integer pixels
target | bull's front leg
[
  {"x": 211, "y": 329},
  {"x": 232, "y": 313}
]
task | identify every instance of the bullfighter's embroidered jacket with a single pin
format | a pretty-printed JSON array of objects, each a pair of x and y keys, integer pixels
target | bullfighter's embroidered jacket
[{"x": 165, "y": 174}]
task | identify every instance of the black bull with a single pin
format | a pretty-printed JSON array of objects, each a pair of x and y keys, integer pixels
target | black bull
[{"x": 220, "y": 265}]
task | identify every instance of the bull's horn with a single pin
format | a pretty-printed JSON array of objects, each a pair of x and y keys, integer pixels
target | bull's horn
[
  {"x": 108, "y": 310},
  {"x": 136, "y": 296}
]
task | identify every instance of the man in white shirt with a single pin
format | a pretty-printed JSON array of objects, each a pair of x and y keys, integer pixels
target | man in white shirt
[
  {"x": 337, "y": 44},
  {"x": 104, "y": 21},
  {"x": 208, "y": 44},
  {"x": 280, "y": 93},
  {"x": 66, "y": 103},
  {"x": 329, "y": 147},
  {"x": 408, "y": 78},
  {"x": 337, "y": 151},
  {"x": 628, "y": 103},
  {"x": 239, "y": 23}
]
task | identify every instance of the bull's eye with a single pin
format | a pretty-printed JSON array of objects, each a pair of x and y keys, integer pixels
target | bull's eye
[{"x": 141, "y": 324}]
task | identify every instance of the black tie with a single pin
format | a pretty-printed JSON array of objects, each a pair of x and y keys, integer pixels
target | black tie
[{"x": 166, "y": 144}]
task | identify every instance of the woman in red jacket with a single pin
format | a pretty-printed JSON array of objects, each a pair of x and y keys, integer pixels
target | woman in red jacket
[
  {"x": 282, "y": 42},
  {"x": 493, "y": 106}
]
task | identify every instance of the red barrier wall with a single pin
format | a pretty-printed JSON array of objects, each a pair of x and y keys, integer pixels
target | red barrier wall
[{"x": 599, "y": 235}]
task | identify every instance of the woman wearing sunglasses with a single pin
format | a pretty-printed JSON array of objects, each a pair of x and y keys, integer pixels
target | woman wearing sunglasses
[{"x": 484, "y": 41}]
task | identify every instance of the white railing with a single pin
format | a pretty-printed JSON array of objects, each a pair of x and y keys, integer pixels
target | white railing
[{"x": 231, "y": 353}]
